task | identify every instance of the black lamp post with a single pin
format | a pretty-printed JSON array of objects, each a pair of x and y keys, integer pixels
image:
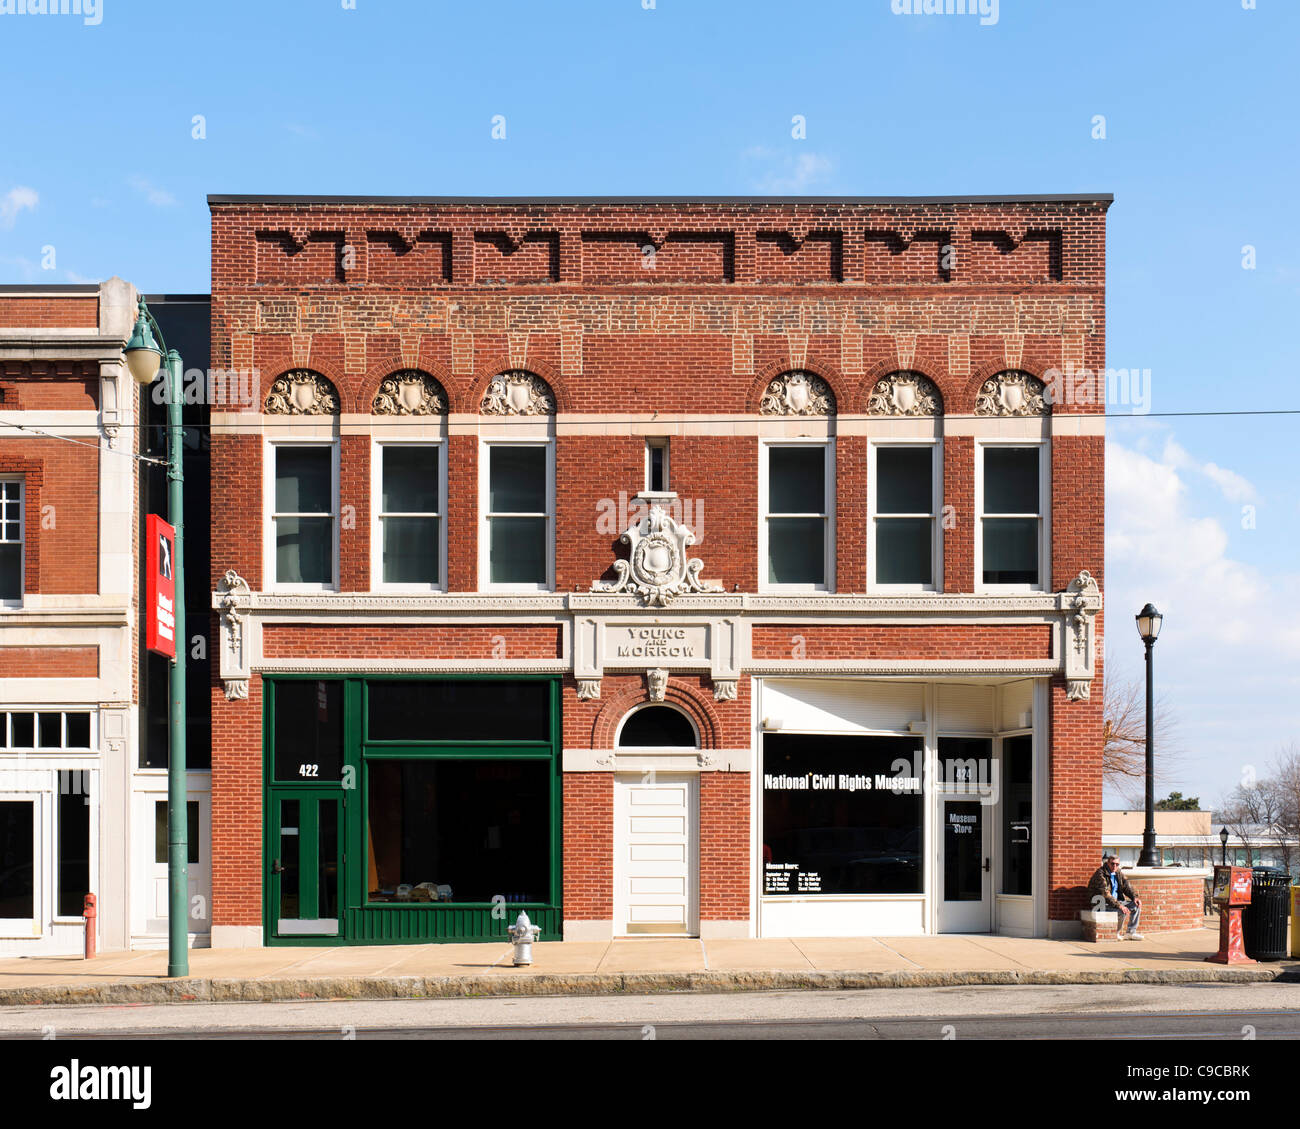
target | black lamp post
[
  {"x": 1223, "y": 841},
  {"x": 1148, "y": 625}
]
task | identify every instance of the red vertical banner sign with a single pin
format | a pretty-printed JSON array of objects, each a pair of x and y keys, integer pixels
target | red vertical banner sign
[{"x": 160, "y": 590}]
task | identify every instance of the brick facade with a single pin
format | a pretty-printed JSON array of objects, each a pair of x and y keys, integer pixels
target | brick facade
[{"x": 663, "y": 318}]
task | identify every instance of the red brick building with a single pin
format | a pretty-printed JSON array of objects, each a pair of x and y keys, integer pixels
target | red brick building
[{"x": 719, "y": 567}]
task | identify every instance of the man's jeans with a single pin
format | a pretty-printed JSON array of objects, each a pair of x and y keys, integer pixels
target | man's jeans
[{"x": 1134, "y": 912}]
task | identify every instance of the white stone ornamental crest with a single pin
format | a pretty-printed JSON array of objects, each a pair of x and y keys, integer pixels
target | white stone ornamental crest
[{"x": 657, "y": 568}]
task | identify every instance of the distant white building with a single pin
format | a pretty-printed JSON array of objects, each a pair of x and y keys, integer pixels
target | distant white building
[{"x": 1191, "y": 838}]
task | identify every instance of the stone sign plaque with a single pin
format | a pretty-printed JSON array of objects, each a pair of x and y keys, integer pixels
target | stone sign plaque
[{"x": 671, "y": 645}]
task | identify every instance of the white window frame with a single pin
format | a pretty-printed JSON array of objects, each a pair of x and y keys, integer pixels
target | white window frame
[
  {"x": 377, "y": 582},
  {"x": 486, "y": 443},
  {"x": 660, "y": 443},
  {"x": 935, "y": 516},
  {"x": 828, "y": 502},
  {"x": 270, "y": 455},
  {"x": 6, "y": 731},
  {"x": 92, "y": 863},
  {"x": 1044, "y": 516},
  {"x": 17, "y": 602},
  {"x": 24, "y": 927}
]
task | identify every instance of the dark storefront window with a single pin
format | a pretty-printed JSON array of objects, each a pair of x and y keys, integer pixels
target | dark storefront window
[
  {"x": 459, "y": 830},
  {"x": 17, "y": 863},
  {"x": 428, "y": 710},
  {"x": 1018, "y": 806},
  {"x": 842, "y": 815},
  {"x": 308, "y": 731},
  {"x": 74, "y": 842}
]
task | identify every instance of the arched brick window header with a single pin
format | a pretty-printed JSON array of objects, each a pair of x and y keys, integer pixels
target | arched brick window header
[
  {"x": 410, "y": 392},
  {"x": 302, "y": 392},
  {"x": 905, "y": 392},
  {"x": 1012, "y": 392},
  {"x": 517, "y": 392},
  {"x": 680, "y": 694}
]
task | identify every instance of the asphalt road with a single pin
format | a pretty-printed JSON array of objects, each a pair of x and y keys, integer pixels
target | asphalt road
[{"x": 1138, "y": 1012}]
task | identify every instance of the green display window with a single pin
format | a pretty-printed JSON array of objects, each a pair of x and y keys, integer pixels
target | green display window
[{"x": 434, "y": 803}]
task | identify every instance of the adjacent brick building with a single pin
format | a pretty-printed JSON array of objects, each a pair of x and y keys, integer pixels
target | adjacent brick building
[{"x": 719, "y": 567}]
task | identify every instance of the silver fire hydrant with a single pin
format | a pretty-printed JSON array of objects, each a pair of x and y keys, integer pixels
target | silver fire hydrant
[{"x": 522, "y": 934}]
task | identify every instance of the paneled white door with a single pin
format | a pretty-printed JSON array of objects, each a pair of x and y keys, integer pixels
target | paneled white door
[{"x": 656, "y": 855}]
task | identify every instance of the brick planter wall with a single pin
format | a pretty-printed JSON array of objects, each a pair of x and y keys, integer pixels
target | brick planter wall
[{"x": 1172, "y": 898}]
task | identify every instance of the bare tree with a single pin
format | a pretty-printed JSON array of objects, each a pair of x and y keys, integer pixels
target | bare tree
[
  {"x": 1283, "y": 783},
  {"x": 1266, "y": 812},
  {"x": 1124, "y": 740}
]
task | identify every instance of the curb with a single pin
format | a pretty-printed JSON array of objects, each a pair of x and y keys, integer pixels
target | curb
[{"x": 218, "y": 990}]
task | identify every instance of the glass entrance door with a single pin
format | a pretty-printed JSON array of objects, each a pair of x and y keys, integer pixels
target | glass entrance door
[
  {"x": 965, "y": 900},
  {"x": 305, "y": 862}
]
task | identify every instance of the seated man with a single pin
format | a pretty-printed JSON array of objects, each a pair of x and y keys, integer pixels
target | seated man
[{"x": 1110, "y": 890}]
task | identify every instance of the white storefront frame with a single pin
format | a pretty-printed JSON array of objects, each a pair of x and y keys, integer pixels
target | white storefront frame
[
  {"x": 862, "y": 915},
  {"x": 37, "y": 779}
]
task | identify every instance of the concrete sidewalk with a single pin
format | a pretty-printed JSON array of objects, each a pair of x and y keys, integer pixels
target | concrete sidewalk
[{"x": 629, "y": 966}]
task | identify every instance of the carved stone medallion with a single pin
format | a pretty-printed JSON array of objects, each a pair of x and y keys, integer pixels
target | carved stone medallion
[
  {"x": 518, "y": 393},
  {"x": 904, "y": 394},
  {"x": 798, "y": 394},
  {"x": 410, "y": 393},
  {"x": 1011, "y": 394},
  {"x": 302, "y": 393},
  {"x": 657, "y": 568}
]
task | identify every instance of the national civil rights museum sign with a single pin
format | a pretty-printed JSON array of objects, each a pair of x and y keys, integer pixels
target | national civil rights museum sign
[{"x": 838, "y": 816}]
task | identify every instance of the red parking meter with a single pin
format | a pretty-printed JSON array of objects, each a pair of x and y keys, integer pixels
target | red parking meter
[
  {"x": 89, "y": 911},
  {"x": 1232, "y": 895}
]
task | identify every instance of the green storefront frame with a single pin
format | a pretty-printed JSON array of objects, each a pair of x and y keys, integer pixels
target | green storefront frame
[{"x": 363, "y": 923}]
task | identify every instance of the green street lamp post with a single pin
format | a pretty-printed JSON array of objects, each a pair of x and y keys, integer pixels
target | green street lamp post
[{"x": 144, "y": 356}]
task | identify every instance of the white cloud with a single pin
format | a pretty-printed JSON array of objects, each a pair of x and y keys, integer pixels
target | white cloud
[
  {"x": 158, "y": 197},
  {"x": 15, "y": 201},
  {"x": 1158, "y": 549},
  {"x": 73, "y": 276},
  {"x": 794, "y": 174},
  {"x": 1233, "y": 486}
]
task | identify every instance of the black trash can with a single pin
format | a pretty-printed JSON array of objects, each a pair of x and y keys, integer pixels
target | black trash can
[{"x": 1264, "y": 922}]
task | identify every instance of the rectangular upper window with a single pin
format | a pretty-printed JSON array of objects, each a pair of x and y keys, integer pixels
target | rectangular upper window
[
  {"x": 519, "y": 514},
  {"x": 304, "y": 514},
  {"x": 904, "y": 535},
  {"x": 1011, "y": 515},
  {"x": 656, "y": 466},
  {"x": 796, "y": 534},
  {"x": 46, "y": 729},
  {"x": 410, "y": 515},
  {"x": 11, "y": 541}
]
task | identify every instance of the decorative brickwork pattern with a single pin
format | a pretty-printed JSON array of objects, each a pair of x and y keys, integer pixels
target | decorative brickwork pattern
[
  {"x": 413, "y": 641},
  {"x": 903, "y": 641},
  {"x": 49, "y": 662}
]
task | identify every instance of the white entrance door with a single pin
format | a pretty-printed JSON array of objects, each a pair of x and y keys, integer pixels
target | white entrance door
[
  {"x": 965, "y": 872},
  {"x": 150, "y": 927},
  {"x": 656, "y": 883}
]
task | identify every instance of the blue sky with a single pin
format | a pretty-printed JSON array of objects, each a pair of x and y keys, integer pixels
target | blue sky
[{"x": 1202, "y": 146}]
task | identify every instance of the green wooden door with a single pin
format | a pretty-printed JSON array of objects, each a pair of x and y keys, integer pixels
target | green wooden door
[{"x": 305, "y": 862}]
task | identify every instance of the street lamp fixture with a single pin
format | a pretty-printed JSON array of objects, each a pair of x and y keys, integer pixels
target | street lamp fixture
[
  {"x": 144, "y": 356},
  {"x": 1148, "y": 625},
  {"x": 1223, "y": 841}
]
